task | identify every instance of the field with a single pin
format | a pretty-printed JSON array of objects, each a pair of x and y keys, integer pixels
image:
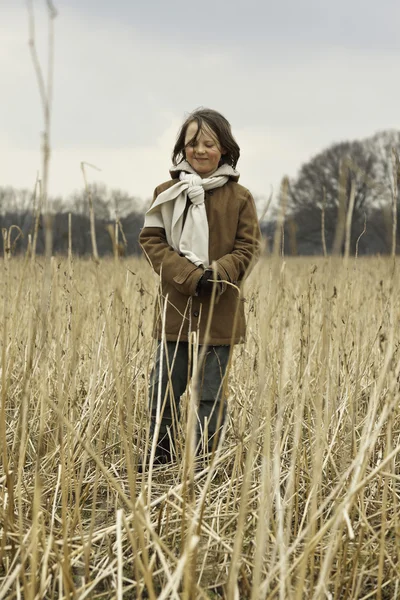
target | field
[{"x": 300, "y": 501}]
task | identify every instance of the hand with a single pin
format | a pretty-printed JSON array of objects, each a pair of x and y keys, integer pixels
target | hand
[{"x": 206, "y": 283}]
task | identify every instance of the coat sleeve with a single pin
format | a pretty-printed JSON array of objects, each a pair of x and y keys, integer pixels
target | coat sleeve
[
  {"x": 166, "y": 262},
  {"x": 247, "y": 246}
]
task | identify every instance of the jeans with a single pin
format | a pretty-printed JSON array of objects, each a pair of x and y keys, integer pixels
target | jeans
[{"x": 210, "y": 383}]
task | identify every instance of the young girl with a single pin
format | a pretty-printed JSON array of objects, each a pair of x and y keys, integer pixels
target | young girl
[{"x": 201, "y": 231}]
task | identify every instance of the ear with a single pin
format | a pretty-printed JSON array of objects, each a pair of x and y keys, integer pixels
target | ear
[{"x": 223, "y": 151}]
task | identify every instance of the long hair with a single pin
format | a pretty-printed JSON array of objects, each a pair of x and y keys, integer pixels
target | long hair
[{"x": 206, "y": 117}]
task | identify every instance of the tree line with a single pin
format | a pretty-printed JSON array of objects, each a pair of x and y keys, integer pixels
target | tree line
[
  {"x": 352, "y": 185},
  {"x": 347, "y": 194},
  {"x": 118, "y": 219}
]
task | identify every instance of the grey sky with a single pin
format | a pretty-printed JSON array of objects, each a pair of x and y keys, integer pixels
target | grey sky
[
  {"x": 354, "y": 23},
  {"x": 292, "y": 77}
]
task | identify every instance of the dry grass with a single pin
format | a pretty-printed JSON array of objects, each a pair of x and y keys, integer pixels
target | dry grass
[{"x": 300, "y": 502}]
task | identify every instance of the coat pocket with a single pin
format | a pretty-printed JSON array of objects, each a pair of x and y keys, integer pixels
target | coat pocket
[
  {"x": 184, "y": 274},
  {"x": 186, "y": 281}
]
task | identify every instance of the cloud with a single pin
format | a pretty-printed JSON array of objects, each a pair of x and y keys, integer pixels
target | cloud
[
  {"x": 121, "y": 89},
  {"x": 363, "y": 24},
  {"x": 135, "y": 169}
]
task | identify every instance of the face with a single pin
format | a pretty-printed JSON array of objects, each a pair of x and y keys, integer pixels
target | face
[{"x": 204, "y": 153}]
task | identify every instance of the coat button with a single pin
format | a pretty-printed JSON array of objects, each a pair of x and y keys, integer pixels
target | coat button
[{"x": 196, "y": 313}]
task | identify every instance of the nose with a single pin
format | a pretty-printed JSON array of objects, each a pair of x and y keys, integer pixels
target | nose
[{"x": 200, "y": 148}]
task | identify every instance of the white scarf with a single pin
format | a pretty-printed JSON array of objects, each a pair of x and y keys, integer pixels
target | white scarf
[{"x": 189, "y": 238}]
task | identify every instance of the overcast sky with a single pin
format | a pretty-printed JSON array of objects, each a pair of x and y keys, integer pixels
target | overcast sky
[{"x": 292, "y": 77}]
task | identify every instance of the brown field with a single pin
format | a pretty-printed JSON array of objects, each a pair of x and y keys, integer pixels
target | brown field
[{"x": 300, "y": 501}]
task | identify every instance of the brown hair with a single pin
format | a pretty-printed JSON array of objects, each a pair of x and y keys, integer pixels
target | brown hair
[{"x": 219, "y": 125}]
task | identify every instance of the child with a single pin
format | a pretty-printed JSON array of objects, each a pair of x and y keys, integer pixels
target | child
[{"x": 201, "y": 231}]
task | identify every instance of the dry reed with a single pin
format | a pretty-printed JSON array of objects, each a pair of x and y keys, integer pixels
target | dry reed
[{"x": 300, "y": 501}]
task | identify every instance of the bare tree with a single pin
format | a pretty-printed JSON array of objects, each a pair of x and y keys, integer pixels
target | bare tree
[
  {"x": 319, "y": 197},
  {"x": 111, "y": 206}
]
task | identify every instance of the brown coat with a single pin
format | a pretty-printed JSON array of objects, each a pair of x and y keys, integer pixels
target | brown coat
[{"x": 234, "y": 241}]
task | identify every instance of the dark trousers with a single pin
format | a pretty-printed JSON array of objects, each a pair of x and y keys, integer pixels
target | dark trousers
[{"x": 175, "y": 375}]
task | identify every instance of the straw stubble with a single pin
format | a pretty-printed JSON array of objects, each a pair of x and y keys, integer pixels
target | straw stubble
[{"x": 300, "y": 499}]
